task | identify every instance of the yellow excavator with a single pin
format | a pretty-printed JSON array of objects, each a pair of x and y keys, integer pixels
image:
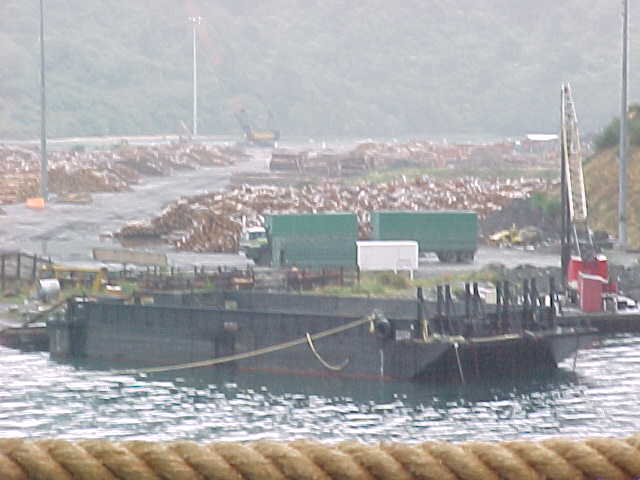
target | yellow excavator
[
  {"x": 515, "y": 236},
  {"x": 262, "y": 138},
  {"x": 509, "y": 236}
]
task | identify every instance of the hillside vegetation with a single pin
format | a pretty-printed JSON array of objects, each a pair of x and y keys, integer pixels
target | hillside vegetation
[
  {"x": 601, "y": 178},
  {"x": 610, "y": 135},
  {"x": 330, "y": 68}
]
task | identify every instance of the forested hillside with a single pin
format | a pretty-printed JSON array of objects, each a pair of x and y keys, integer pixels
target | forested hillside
[
  {"x": 324, "y": 68},
  {"x": 601, "y": 179}
]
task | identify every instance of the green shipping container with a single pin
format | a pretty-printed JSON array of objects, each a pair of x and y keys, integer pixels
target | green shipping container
[
  {"x": 451, "y": 235},
  {"x": 314, "y": 253},
  {"x": 312, "y": 224},
  {"x": 313, "y": 240}
]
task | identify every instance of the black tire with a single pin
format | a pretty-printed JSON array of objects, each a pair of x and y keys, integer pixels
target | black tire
[
  {"x": 465, "y": 257},
  {"x": 383, "y": 328},
  {"x": 446, "y": 256}
]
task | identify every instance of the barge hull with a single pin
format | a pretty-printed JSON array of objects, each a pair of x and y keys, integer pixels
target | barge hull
[
  {"x": 166, "y": 336},
  {"x": 157, "y": 336}
]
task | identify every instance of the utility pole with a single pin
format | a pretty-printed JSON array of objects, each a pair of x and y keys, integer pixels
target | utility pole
[
  {"x": 44, "y": 189},
  {"x": 624, "y": 140},
  {"x": 195, "y": 21}
]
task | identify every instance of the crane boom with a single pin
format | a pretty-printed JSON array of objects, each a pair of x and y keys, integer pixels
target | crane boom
[
  {"x": 572, "y": 160},
  {"x": 578, "y": 249}
]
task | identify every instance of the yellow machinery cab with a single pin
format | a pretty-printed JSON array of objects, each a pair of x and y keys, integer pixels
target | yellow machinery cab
[{"x": 88, "y": 278}]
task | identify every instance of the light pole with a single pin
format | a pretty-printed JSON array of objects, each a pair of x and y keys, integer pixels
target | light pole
[
  {"x": 622, "y": 166},
  {"x": 44, "y": 190},
  {"x": 195, "y": 21}
]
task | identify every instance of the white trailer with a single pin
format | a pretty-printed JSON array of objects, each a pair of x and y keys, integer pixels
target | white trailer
[{"x": 387, "y": 255}]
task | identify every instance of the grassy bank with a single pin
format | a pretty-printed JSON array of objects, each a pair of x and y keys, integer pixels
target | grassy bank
[{"x": 389, "y": 284}]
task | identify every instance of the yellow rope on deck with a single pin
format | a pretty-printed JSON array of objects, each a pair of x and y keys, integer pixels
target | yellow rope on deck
[
  {"x": 254, "y": 353},
  {"x": 553, "y": 459}
]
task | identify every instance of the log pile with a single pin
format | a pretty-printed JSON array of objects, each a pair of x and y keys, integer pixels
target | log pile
[
  {"x": 213, "y": 222},
  {"x": 15, "y": 188},
  {"x": 423, "y": 154},
  {"x": 112, "y": 170}
]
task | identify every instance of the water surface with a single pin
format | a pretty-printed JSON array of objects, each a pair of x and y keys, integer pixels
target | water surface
[{"x": 44, "y": 398}]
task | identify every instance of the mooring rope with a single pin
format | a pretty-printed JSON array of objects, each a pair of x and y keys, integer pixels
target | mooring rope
[
  {"x": 325, "y": 364},
  {"x": 553, "y": 459},
  {"x": 251, "y": 354}
]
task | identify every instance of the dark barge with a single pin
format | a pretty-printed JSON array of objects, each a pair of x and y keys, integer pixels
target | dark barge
[
  {"x": 321, "y": 336},
  {"x": 33, "y": 337}
]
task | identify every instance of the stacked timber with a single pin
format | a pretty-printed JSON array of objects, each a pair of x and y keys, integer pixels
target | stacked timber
[
  {"x": 213, "y": 222},
  {"x": 112, "y": 170},
  {"x": 139, "y": 229},
  {"x": 65, "y": 180},
  {"x": 422, "y": 154},
  {"x": 211, "y": 232},
  {"x": 397, "y": 155},
  {"x": 287, "y": 160},
  {"x": 15, "y": 188}
]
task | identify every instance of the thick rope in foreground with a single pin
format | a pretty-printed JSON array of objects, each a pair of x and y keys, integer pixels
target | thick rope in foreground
[{"x": 553, "y": 459}]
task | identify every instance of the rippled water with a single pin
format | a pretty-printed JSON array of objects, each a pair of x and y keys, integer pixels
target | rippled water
[{"x": 43, "y": 398}]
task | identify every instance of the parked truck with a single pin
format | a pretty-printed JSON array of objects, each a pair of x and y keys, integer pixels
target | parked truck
[
  {"x": 451, "y": 235},
  {"x": 308, "y": 240}
]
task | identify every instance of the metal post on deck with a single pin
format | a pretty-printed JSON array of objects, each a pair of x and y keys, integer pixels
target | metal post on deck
[
  {"x": 553, "y": 301},
  {"x": 18, "y": 267},
  {"x": 420, "y": 317},
  {"x": 440, "y": 310},
  {"x": 448, "y": 307},
  {"x": 507, "y": 295},
  {"x": 477, "y": 301},
  {"x": 535, "y": 300},
  {"x": 533, "y": 294},
  {"x": 2, "y": 271},
  {"x": 507, "y": 303},
  {"x": 467, "y": 300},
  {"x": 526, "y": 306},
  {"x": 34, "y": 269},
  {"x": 447, "y": 302}
]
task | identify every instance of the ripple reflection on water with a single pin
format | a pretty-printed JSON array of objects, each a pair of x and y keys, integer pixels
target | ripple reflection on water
[{"x": 43, "y": 398}]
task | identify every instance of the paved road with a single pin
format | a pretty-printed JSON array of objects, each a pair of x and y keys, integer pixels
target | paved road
[
  {"x": 486, "y": 255},
  {"x": 67, "y": 233},
  {"x": 543, "y": 257}
]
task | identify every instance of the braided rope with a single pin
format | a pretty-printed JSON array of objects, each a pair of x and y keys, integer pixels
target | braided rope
[{"x": 553, "y": 459}]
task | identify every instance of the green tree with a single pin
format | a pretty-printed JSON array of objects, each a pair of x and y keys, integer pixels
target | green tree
[{"x": 610, "y": 135}]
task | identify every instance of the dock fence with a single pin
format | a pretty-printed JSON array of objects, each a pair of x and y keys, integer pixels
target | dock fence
[{"x": 19, "y": 266}]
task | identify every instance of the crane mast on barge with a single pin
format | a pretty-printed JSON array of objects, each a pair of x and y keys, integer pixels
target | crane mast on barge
[
  {"x": 585, "y": 270},
  {"x": 577, "y": 238}
]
